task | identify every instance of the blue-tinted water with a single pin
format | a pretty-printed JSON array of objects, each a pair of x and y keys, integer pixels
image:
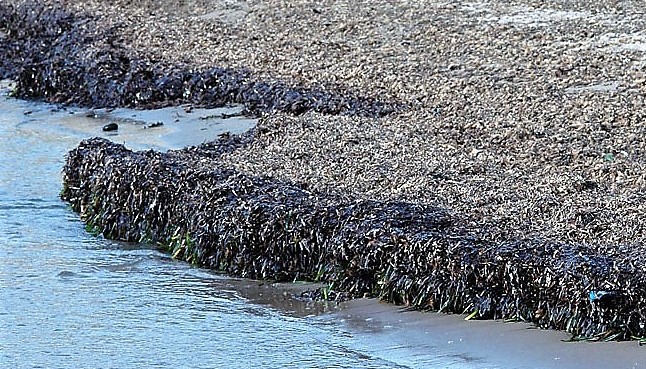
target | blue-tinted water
[{"x": 70, "y": 300}]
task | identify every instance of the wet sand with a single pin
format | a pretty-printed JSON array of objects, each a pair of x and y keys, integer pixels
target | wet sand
[
  {"x": 420, "y": 340},
  {"x": 179, "y": 127},
  {"x": 416, "y": 339},
  {"x": 163, "y": 129}
]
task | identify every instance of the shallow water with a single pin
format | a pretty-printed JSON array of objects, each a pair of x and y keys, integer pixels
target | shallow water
[{"x": 70, "y": 300}]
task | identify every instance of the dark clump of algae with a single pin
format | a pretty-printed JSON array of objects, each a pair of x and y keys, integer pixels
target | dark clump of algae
[
  {"x": 112, "y": 76},
  {"x": 411, "y": 254}
]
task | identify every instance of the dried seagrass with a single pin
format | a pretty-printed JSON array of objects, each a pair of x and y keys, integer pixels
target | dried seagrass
[{"x": 42, "y": 39}]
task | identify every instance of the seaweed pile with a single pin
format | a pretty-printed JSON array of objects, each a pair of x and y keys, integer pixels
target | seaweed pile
[
  {"x": 412, "y": 254},
  {"x": 63, "y": 57}
]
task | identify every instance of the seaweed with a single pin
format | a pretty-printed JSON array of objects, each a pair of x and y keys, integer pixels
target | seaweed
[
  {"x": 201, "y": 211},
  {"x": 63, "y": 57},
  {"x": 413, "y": 254}
]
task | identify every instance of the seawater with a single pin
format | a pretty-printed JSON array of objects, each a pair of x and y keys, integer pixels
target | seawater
[{"x": 72, "y": 300}]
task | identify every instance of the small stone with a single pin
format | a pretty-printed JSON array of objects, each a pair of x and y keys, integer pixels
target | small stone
[{"x": 110, "y": 127}]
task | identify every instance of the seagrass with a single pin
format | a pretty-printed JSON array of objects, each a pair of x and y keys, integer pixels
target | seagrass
[
  {"x": 73, "y": 70},
  {"x": 413, "y": 254}
]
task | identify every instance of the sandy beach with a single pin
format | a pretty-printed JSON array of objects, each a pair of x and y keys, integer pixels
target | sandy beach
[
  {"x": 414, "y": 339},
  {"x": 421, "y": 340}
]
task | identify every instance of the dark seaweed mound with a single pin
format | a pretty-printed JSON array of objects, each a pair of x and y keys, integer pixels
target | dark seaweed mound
[
  {"x": 405, "y": 253},
  {"x": 65, "y": 58}
]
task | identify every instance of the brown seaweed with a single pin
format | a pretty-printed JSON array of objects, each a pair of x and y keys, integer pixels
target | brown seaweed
[
  {"x": 412, "y": 254},
  {"x": 497, "y": 107},
  {"x": 64, "y": 58}
]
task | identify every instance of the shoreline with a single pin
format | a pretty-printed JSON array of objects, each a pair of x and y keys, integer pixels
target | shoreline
[
  {"x": 420, "y": 253},
  {"x": 261, "y": 228},
  {"x": 382, "y": 330},
  {"x": 161, "y": 129},
  {"x": 417, "y": 340}
]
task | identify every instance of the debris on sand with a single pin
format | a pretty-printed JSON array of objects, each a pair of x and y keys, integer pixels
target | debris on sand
[{"x": 483, "y": 158}]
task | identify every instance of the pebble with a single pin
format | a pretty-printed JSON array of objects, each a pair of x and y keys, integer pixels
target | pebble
[{"x": 110, "y": 127}]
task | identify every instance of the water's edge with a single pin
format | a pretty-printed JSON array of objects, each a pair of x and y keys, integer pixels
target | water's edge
[
  {"x": 360, "y": 333},
  {"x": 69, "y": 299}
]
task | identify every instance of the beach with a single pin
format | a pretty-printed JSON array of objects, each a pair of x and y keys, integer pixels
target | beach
[{"x": 481, "y": 158}]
